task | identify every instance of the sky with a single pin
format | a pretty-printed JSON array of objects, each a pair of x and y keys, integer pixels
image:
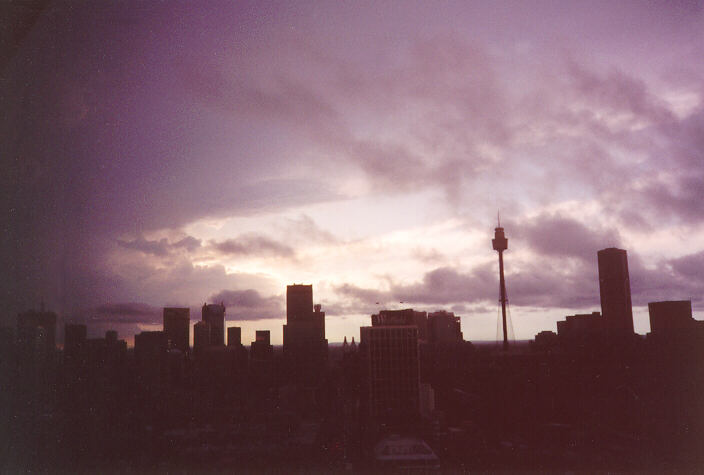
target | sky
[{"x": 174, "y": 153}]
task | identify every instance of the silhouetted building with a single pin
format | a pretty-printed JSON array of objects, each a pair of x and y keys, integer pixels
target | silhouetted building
[
  {"x": 261, "y": 363},
  {"x": 111, "y": 336},
  {"x": 668, "y": 317},
  {"x": 33, "y": 326},
  {"x": 444, "y": 327},
  {"x": 305, "y": 346},
  {"x": 214, "y": 314},
  {"x": 177, "y": 325},
  {"x": 391, "y": 367},
  {"x": 109, "y": 352},
  {"x": 234, "y": 336},
  {"x": 615, "y": 291},
  {"x": 582, "y": 326},
  {"x": 261, "y": 348},
  {"x": 202, "y": 336},
  {"x": 406, "y": 316},
  {"x": 74, "y": 342},
  {"x": 299, "y": 302},
  {"x": 546, "y": 339},
  {"x": 149, "y": 345}
]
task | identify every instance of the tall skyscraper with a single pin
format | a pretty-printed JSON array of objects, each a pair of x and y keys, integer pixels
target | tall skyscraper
[
  {"x": 615, "y": 291},
  {"x": 177, "y": 326},
  {"x": 305, "y": 345},
  {"x": 391, "y": 367},
  {"x": 214, "y": 315},
  {"x": 299, "y": 302}
]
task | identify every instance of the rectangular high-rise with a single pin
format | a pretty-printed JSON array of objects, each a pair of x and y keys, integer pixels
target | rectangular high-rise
[
  {"x": 214, "y": 315},
  {"x": 299, "y": 302},
  {"x": 305, "y": 345},
  {"x": 391, "y": 371},
  {"x": 177, "y": 325},
  {"x": 615, "y": 291}
]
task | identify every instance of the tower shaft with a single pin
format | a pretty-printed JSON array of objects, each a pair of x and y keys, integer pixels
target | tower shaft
[{"x": 502, "y": 286}]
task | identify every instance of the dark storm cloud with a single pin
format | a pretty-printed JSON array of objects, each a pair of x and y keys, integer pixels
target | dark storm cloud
[
  {"x": 249, "y": 304},
  {"x": 690, "y": 266},
  {"x": 539, "y": 286},
  {"x": 550, "y": 281},
  {"x": 618, "y": 92},
  {"x": 366, "y": 296},
  {"x": 560, "y": 236},
  {"x": 252, "y": 244}
]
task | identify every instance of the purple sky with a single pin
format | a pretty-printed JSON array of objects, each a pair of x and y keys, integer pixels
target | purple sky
[{"x": 168, "y": 153}]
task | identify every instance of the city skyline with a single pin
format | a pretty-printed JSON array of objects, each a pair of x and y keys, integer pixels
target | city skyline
[
  {"x": 169, "y": 155},
  {"x": 614, "y": 295}
]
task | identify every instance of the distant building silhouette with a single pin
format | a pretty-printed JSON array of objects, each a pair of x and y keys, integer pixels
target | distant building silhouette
[
  {"x": 615, "y": 291},
  {"x": 202, "y": 336},
  {"x": 305, "y": 346},
  {"x": 177, "y": 326},
  {"x": 214, "y": 314},
  {"x": 74, "y": 342},
  {"x": 406, "y": 316},
  {"x": 444, "y": 327},
  {"x": 261, "y": 361},
  {"x": 299, "y": 302},
  {"x": 234, "y": 336},
  {"x": 583, "y": 326},
  {"x": 546, "y": 338},
  {"x": 261, "y": 349},
  {"x": 149, "y": 345},
  {"x": 239, "y": 354},
  {"x": 671, "y": 317},
  {"x": 392, "y": 369},
  {"x": 150, "y": 350}
]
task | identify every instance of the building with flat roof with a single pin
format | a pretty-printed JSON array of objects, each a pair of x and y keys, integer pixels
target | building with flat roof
[
  {"x": 391, "y": 367},
  {"x": 202, "y": 333},
  {"x": 615, "y": 291},
  {"x": 670, "y": 316},
  {"x": 177, "y": 327},
  {"x": 305, "y": 346},
  {"x": 214, "y": 315}
]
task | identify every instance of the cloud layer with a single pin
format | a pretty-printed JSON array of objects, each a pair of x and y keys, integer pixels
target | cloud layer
[{"x": 158, "y": 153}]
